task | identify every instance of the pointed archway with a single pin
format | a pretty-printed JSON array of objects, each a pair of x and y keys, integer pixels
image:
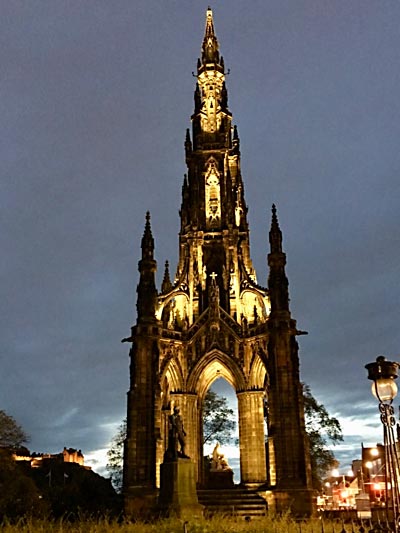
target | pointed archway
[
  {"x": 217, "y": 364},
  {"x": 226, "y": 439}
]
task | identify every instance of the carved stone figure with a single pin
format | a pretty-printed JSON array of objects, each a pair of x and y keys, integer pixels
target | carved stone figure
[
  {"x": 176, "y": 436},
  {"x": 219, "y": 462}
]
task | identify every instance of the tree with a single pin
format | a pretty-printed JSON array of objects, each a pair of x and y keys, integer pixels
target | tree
[
  {"x": 12, "y": 436},
  {"x": 18, "y": 493},
  {"x": 115, "y": 456},
  {"x": 322, "y": 430},
  {"x": 218, "y": 421}
]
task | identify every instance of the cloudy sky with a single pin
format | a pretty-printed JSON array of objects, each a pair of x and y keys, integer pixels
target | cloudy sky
[{"x": 95, "y": 98}]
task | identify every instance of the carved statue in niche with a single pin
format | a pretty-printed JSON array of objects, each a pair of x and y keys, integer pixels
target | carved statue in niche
[
  {"x": 171, "y": 314},
  {"x": 204, "y": 277},
  {"x": 225, "y": 277},
  {"x": 232, "y": 278},
  {"x": 196, "y": 278},
  {"x": 238, "y": 206},
  {"x": 214, "y": 296},
  {"x": 213, "y": 195}
]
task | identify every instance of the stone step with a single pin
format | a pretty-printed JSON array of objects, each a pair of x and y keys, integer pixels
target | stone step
[{"x": 239, "y": 502}]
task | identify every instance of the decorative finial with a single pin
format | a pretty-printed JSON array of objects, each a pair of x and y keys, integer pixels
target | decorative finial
[
  {"x": 147, "y": 240},
  {"x": 275, "y": 234},
  {"x": 166, "y": 285},
  {"x": 210, "y": 52}
]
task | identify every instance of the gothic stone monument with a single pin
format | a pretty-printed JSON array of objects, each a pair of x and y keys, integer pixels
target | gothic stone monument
[{"x": 214, "y": 320}]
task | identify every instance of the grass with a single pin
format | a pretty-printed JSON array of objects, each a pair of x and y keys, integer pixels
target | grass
[{"x": 217, "y": 524}]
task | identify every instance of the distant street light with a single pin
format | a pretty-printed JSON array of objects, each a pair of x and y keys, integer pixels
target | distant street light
[{"x": 383, "y": 374}]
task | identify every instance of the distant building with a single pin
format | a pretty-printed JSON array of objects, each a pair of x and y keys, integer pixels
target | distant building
[{"x": 36, "y": 460}]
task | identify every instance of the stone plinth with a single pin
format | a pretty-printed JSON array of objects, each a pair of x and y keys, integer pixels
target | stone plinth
[
  {"x": 178, "y": 496},
  {"x": 140, "y": 502},
  {"x": 220, "y": 479},
  {"x": 300, "y": 502}
]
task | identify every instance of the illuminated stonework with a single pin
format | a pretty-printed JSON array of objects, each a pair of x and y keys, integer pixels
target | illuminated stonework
[
  {"x": 68, "y": 455},
  {"x": 214, "y": 320},
  {"x": 213, "y": 196}
]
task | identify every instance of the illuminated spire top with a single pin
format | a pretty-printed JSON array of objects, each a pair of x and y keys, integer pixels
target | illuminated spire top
[{"x": 210, "y": 52}]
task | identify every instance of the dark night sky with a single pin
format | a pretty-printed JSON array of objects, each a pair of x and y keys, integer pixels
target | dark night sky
[{"x": 95, "y": 100}]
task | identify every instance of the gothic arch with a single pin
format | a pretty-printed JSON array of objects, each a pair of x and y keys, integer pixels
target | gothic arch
[
  {"x": 174, "y": 307},
  {"x": 172, "y": 372},
  {"x": 213, "y": 365},
  {"x": 257, "y": 374}
]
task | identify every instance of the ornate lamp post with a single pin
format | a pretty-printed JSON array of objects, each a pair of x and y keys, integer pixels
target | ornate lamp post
[{"x": 383, "y": 374}]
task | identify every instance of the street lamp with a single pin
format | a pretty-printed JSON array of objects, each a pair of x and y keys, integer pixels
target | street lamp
[{"x": 383, "y": 374}]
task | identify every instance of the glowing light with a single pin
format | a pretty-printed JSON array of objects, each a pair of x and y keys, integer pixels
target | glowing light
[
  {"x": 369, "y": 465},
  {"x": 384, "y": 389},
  {"x": 374, "y": 452},
  {"x": 335, "y": 472}
]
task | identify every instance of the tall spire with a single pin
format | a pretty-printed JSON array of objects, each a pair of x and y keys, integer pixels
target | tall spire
[
  {"x": 211, "y": 118},
  {"x": 146, "y": 290},
  {"x": 275, "y": 234},
  {"x": 210, "y": 52},
  {"x": 147, "y": 240},
  {"x": 278, "y": 284}
]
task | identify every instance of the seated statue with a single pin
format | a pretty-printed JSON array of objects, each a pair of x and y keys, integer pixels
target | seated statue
[{"x": 219, "y": 462}]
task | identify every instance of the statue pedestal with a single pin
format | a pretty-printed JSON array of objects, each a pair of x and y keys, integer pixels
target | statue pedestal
[
  {"x": 220, "y": 479},
  {"x": 178, "y": 496}
]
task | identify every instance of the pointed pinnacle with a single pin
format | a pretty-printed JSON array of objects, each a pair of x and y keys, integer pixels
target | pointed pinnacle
[
  {"x": 147, "y": 240},
  {"x": 275, "y": 234},
  {"x": 209, "y": 23},
  {"x": 210, "y": 43},
  {"x": 166, "y": 284},
  {"x": 274, "y": 216}
]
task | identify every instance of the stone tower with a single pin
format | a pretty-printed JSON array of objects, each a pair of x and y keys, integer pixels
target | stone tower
[{"x": 214, "y": 320}]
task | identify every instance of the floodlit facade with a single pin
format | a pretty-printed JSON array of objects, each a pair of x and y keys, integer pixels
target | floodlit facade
[{"x": 215, "y": 320}]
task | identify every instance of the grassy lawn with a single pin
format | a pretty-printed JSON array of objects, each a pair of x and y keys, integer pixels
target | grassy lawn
[{"x": 218, "y": 524}]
